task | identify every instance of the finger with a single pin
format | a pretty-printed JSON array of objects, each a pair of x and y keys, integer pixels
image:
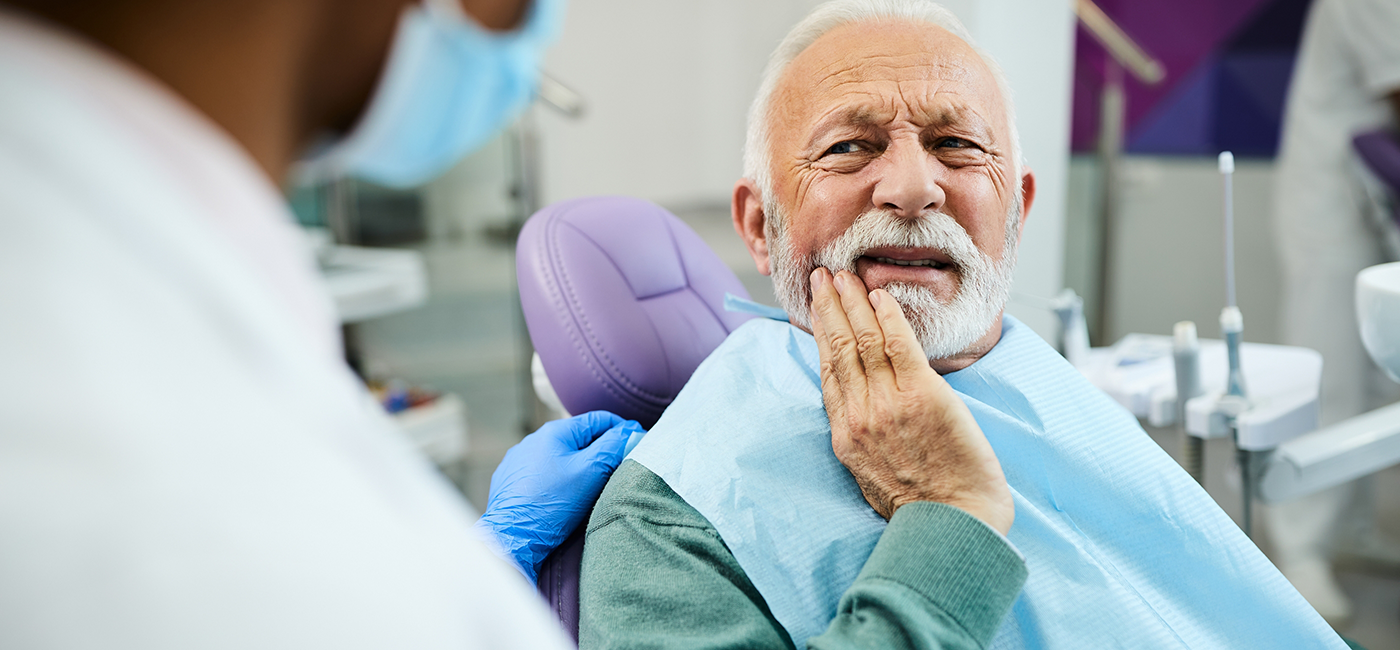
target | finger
[
  {"x": 870, "y": 339},
  {"x": 844, "y": 361},
  {"x": 831, "y": 387},
  {"x": 607, "y": 452},
  {"x": 818, "y": 333},
  {"x": 584, "y": 429},
  {"x": 902, "y": 347}
]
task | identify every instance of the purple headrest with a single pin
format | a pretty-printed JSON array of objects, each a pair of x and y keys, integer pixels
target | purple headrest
[{"x": 622, "y": 301}]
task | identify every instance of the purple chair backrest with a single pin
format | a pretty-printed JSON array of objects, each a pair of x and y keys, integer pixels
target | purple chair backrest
[
  {"x": 1380, "y": 150},
  {"x": 623, "y": 301}
]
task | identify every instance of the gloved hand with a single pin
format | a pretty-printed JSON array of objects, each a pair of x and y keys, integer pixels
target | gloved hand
[{"x": 546, "y": 485}]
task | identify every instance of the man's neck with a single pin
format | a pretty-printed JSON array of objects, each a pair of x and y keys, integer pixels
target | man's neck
[{"x": 973, "y": 352}]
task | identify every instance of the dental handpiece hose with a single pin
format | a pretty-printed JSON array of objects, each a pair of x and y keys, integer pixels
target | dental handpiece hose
[
  {"x": 1231, "y": 321},
  {"x": 1232, "y": 326},
  {"x": 1186, "y": 353},
  {"x": 1233, "y": 404},
  {"x": 1227, "y": 173}
]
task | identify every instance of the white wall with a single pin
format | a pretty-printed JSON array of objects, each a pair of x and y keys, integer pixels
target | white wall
[
  {"x": 669, "y": 83},
  {"x": 1034, "y": 42},
  {"x": 1169, "y": 244}
]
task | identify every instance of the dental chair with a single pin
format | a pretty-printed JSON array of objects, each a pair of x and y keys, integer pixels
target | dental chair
[{"x": 623, "y": 301}]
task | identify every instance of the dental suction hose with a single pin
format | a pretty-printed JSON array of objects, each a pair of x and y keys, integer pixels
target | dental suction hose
[{"x": 1186, "y": 353}]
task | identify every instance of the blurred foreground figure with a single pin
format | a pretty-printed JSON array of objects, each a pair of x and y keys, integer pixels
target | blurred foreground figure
[
  {"x": 1347, "y": 81},
  {"x": 185, "y": 458}
]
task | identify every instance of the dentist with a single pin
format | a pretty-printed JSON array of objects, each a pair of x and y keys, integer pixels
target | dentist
[{"x": 185, "y": 459}]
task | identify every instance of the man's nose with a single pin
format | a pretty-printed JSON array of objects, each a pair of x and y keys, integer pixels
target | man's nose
[{"x": 908, "y": 184}]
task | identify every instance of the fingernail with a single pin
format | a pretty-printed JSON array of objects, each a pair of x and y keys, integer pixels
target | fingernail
[
  {"x": 875, "y": 298},
  {"x": 816, "y": 278},
  {"x": 840, "y": 281}
]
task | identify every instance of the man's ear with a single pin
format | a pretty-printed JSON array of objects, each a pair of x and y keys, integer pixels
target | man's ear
[
  {"x": 1027, "y": 198},
  {"x": 750, "y": 222}
]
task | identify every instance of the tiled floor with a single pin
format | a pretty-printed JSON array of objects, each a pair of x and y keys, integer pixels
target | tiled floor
[
  {"x": 1376, "y": 594},
  {"x": 467, "y": 341}
]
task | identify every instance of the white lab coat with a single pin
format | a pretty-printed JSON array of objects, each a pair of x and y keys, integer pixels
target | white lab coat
[
  {"x": 185, "y": 461},
  {"x": 1325, "y": 229},
  {"x": 1348, "y": 62}
]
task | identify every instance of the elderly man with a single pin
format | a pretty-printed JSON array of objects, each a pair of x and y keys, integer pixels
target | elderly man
[{"x": 785, "y": 499}]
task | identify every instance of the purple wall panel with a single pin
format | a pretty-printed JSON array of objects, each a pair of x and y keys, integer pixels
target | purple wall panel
[
  {"x": 1227, "y": 64},
  {"x": 1183, "y": 123}
]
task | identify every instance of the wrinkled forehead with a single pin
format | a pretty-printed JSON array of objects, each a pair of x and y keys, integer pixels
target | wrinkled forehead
[{"x": 890, "y": 69}]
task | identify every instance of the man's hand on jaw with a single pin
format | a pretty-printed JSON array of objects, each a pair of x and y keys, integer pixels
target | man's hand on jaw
[{"x": 895, "y": 424}]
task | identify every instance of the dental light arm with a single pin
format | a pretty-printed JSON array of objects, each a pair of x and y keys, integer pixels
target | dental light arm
[
  {"x": 1363, "y": 444},
  {"x": 1342, "y": 452}
]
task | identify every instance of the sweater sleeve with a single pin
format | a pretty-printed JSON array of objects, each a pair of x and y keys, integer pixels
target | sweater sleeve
[{"x": 657, "y": 574}]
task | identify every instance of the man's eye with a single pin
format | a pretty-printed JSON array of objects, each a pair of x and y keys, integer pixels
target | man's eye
[
  {"x": 954, "y": 143},
  {"x": 849, "y": 146}
]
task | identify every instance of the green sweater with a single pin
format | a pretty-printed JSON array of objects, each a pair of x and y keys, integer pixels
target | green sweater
[{"x": 657, "y": 575}]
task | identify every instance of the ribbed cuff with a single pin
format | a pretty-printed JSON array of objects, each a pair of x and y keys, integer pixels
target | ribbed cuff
[{"x": 962, "y": 566}]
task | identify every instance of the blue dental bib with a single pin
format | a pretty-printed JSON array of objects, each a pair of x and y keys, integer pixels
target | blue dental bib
[{"x": 1124, "y": 549}]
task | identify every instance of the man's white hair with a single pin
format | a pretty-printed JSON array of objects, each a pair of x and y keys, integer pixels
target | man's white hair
[{"x": 758, "y": 143}]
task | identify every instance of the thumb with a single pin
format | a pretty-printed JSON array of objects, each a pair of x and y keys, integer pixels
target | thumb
[{"x": 584, "y": 429}]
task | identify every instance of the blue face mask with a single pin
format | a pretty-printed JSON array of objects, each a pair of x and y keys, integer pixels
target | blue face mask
[{"x": 449, "y": 85}]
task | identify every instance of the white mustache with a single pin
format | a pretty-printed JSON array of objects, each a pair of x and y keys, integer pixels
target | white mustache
[
  {"x": 944, "y": 326},
  {"x": 883, "y": 229}
]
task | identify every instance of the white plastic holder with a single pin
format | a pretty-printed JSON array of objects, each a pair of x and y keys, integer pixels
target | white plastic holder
[
  {"x": 1138, "y": 373},
  {"x": 1205, "y": 417},
  {"x": 1263, "y": 423}
]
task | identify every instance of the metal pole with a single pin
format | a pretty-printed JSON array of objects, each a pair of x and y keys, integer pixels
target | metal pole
[
  {"x": 1112, "y": 108},
  {"x": 527, "y": 198},
  {"x": 1123, "y": 52},
  {"x": 1186, "y": 354}
]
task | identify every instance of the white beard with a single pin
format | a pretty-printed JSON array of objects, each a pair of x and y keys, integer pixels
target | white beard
[{"x": 944, "y": 329}]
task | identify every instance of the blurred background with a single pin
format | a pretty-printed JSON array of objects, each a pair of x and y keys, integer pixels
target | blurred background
[{"x": 1123, "y": 107}]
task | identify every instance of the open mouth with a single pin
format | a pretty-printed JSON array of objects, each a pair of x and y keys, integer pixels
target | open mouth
[
  {"x": 926, "y": 267},
  {"x": 931, "y": 258},
  {"x": 931, "y": 263}
]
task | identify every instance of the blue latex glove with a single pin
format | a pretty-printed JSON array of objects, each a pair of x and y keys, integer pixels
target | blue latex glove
[{"x": 547, "y": 484}]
